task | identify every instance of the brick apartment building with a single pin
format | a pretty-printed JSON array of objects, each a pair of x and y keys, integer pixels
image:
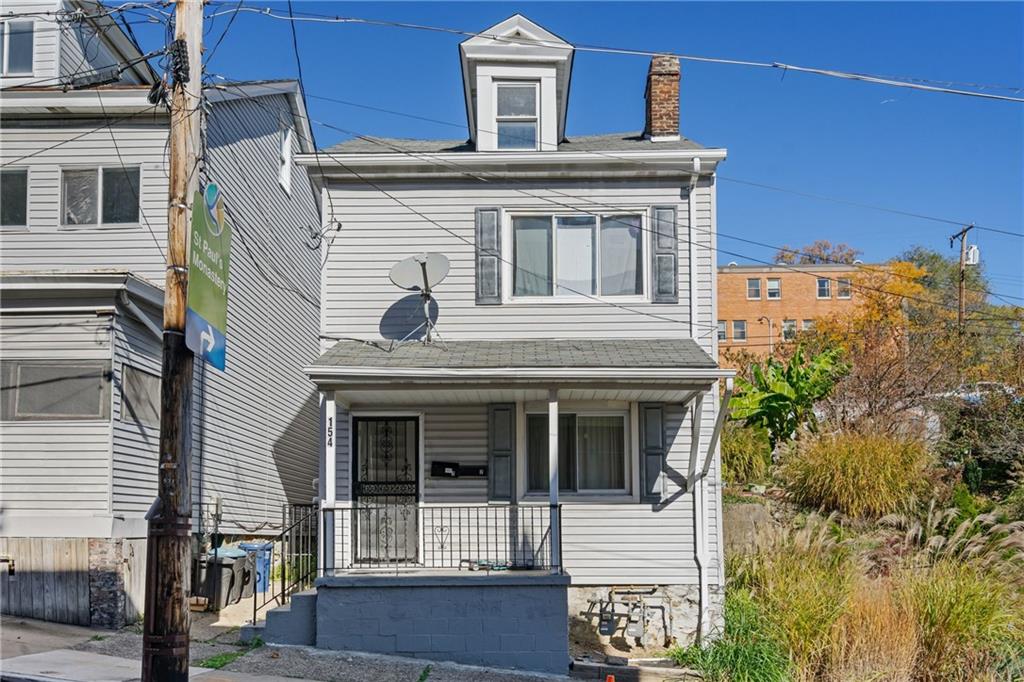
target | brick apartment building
[{"x": 762, "y": 306}]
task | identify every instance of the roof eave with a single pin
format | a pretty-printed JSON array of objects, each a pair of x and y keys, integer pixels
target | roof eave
[{"x": 332, "y": 374}]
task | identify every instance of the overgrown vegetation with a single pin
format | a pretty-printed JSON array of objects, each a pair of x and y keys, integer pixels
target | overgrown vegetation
[
  {"x": 218, "y": 661},
  {"x": 908, "y": 432},
  {"x": 863, "y": 475}
]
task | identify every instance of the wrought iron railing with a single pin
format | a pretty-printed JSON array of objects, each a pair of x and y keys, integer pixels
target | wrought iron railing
[
  {"x": 405, "y": 535},
  {"x": 293, "y": 562}
]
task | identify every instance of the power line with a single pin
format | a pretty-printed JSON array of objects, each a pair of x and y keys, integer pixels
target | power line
[{"x": 911, "y": 83}]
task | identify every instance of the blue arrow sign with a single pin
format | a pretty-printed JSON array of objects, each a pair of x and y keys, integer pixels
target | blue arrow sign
[{"x": 205, "y": 340}]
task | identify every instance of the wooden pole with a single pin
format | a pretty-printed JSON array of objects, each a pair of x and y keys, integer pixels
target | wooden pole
[
  {"x": 962, "y": 285},
  {"x": 169, "y": 548}
]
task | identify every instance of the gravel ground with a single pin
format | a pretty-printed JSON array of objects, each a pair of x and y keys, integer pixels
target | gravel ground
[{"x": 335, "y": 666}]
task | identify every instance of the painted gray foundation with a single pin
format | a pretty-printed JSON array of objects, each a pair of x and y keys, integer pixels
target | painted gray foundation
[{"x": 504, "y": 620}]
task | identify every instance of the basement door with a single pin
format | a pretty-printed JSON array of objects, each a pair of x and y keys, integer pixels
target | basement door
[{"x": 385, "y": 490}]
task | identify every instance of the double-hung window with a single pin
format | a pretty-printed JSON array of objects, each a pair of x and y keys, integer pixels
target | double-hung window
[
  {"x": 591, "y": 453},
  {"x": 844, "y": 288},
  {"x": 577, "y": 255},
  {"x": 788, "y": 330},
  {"x": 100, "y": 196},
  {"x": 774, "y": 289},
  {"x": 517, "y": 114},
  {"x": 807, "y": 325},
  {"x": 754, "y": 288},
  {"x": 16, "y": 48},
  {"x": 14, "y": 197},
  {"x": 824, "y": 287},
  {"x": 739, "y": 330},
  {"x": 36, "y": 390},
  {"x": 721, "y": 330}
]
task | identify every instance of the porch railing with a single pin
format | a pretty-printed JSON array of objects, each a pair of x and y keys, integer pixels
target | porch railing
[
  {"x": 397, "y": 536},
  {"x": 293, "y": 561}
]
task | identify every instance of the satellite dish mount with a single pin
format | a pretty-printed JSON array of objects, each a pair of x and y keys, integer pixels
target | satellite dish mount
[{"x": 421, "y": 273}]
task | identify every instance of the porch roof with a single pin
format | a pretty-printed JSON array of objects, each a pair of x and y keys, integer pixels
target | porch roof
[{"x": 353, "y": 365}]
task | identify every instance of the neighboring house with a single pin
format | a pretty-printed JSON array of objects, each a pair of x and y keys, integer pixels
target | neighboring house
[
  {"x": 763, "y": 306},
  {"x": 84, "y": 219},
  {"x": 581, "y": 286}
]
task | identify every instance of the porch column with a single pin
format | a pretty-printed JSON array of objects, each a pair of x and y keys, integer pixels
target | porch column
[
  {"x": 329, "y": 415},
  {"x": 556, "y": 540}
]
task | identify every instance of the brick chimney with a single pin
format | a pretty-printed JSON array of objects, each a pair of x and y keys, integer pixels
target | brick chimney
[{"x": 662, "y": 122}]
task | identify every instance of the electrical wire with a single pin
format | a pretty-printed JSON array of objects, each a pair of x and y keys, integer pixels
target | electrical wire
[{"x": 911, "y": 83}]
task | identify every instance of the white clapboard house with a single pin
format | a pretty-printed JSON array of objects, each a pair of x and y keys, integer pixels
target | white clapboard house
[
  {"x": 550, "y": 453},
  {"x": 84, "y": 181}
]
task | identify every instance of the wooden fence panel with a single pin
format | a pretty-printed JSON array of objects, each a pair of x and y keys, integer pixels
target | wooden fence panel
[{"x": 51, "y": 580}]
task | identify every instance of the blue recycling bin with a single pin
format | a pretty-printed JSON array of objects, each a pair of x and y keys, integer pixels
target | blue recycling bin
[{"x": 264, "y": 552}]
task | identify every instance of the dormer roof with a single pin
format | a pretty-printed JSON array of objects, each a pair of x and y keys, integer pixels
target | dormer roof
[{"x": 521, "y": 41}]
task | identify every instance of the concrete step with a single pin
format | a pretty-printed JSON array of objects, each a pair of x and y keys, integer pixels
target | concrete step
[
  {"x": 293, "y": 623},
  {"x": 248, "y": 633}
]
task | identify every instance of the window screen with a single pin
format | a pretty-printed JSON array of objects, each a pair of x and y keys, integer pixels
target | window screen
[
  {"x": 120, "y": 195},
  {"x": 14, "y": 197},
  {"x": 79, "y": 189},
  {"x": 140, "y": 396},
  {"x": 53, "y": 390},
  {"x": 19, "y": 47}
]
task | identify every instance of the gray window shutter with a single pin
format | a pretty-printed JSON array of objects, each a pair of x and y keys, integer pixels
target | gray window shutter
[
  {"x": 501, "y": 452},
  {"x": 664, "y": 255},
  {"x": 488, "y": 256},
  {"x": 652, "y": 452}
]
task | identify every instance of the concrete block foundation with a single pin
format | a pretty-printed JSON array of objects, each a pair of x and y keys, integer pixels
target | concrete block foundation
[{"x": 507, "y": 620}]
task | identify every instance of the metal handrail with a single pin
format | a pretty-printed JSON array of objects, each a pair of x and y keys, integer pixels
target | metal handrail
[{"x": 306, "y": 530}]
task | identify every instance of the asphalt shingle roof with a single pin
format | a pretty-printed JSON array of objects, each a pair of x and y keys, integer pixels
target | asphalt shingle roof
[
  {"x": 612, "y": 142},
  {"x": 669, "y": 353}
]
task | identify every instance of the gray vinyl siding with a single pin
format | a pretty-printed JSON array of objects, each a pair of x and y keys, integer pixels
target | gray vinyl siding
[
  {"x": 136, "y": 446},
  {"x": 255, "y": 426},
  {"x": 377, "y": 231},
  {"x": 55, "y": 467},
  {"x": 46, "y": 244},
  {"x": 602, "y": 544}
]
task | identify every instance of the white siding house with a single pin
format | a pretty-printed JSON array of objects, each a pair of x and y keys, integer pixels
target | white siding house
[
  {"x": 581, "y": 285},
  {"x": 85, "y": 186}
]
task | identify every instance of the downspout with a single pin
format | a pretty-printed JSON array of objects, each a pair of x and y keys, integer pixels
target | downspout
[{"x": 696, "y": 483}]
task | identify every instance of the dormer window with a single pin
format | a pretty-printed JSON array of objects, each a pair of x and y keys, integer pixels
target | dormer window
[{"x": 517, "y": 114}]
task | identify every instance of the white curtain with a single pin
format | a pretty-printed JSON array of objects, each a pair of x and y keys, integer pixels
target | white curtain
[
  {"x": 621, "y": 255},
  {"x": 601, "y": 453},
  {"x": 577, "y": 254},
  {"x": 532, "y": 237}
]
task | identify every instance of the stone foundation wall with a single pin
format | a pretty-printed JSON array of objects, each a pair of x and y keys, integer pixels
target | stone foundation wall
[
  {"x": 507, "y": 620},
  {"x": 669, "y": 613}
]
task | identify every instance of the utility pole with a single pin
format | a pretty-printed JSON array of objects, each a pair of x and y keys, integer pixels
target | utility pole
[
  {"x": 169, "y": 546},
  {"x": 962, "y": 288}
]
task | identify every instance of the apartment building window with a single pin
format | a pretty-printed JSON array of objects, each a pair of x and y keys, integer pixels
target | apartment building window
[
  {"x": 844, "y": 288},
  {"x": 517, "y": 117},
  {"x": 824, "y": 287},
  {"x": 739, "y": 330},
  {"x": 16, "y": 48},
  {"x": 577, "y": 255},
  {"x": 807, "y": 325},
  {"x": 591, "y": 453},
  {"x": 14, "y": 197},
  {"x": 38, "y": 390},
  {"x": 754, "y": 288},
  {"x": 788, "y": 330},
  {"x": 721, "y": 330},
  {"x": 100, "y": 196},
  {"x": 774, "y": 288}
]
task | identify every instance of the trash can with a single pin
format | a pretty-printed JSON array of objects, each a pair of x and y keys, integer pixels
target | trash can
[
  {"x": 263, "y": 553},
  {"x": 225, "y": 576}
]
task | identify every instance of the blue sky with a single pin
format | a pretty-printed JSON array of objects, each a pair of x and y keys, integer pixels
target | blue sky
[{"x": 943, "y": 155}]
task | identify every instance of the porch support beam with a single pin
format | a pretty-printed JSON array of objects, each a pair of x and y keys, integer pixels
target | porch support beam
[
  {"x": 556, "y": 542},
  {"x": 723, "y": 413},
  {"x": 329, "y": 452},
  {"x": 695, "y": 419}
]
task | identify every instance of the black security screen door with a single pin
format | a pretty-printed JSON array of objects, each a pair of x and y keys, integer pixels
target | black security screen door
[{"x": 386, "y": 484}]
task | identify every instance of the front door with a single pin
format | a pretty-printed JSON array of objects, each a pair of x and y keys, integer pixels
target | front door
[{"x": 385, "y": 489}]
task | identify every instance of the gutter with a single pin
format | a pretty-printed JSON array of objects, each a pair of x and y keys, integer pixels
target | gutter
[{"x": 389, "y": 374}]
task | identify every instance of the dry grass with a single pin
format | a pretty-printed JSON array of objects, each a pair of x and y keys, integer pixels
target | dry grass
[
  {"x": 863, "y": 475},
  {"x": 746, "y": 454},
  {"x": 876, "y": 637}
]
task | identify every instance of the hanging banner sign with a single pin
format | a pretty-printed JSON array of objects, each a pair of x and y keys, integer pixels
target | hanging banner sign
[{"x": 206, "y": 320}]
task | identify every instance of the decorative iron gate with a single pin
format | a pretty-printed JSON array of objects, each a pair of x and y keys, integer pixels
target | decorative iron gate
[{"x": 385, "y": 490}]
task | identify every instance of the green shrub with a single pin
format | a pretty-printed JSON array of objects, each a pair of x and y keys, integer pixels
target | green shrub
[
  {"x": 746, "y": 454},
  {"x": 859, "y": 474},
  {"x": 1013, "y": 505},
  {"x": 969, "y": 621},
  {"x": 747, "y": 650}
]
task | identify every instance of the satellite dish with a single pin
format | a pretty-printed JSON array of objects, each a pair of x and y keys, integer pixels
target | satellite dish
[{"x": 421, "y": 273}]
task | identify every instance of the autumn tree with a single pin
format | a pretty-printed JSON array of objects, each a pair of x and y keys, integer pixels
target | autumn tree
[{"x": 820, "y": 252}]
